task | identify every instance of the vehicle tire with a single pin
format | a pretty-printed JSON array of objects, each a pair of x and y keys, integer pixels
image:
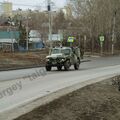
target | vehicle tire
[
  {"x": 67, "y": 65},
  {"x": 59, "y": 68},
  {"x": 76, "y": 65},
  {"x": 48, "y": 68}
]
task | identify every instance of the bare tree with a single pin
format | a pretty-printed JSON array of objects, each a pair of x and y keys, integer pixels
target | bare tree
[{"x": 95, "y": 17}]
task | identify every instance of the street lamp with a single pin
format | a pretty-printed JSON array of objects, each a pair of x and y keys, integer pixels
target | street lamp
[{"x": 27, "y": 35}]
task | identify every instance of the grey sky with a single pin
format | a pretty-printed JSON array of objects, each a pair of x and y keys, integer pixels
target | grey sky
[{"x": 23, "y": 3}]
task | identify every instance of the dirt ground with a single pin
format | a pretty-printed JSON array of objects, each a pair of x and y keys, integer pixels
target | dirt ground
[
  {"x": 19, "y": 60},
  {"x": 100, "y": 101}
]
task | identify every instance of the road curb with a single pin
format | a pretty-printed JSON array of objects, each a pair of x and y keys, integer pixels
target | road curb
[{"x": 20, "y": 68}]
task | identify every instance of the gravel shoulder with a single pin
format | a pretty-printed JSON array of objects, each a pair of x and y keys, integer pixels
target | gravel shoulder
[{"x": 100, "y": 101}]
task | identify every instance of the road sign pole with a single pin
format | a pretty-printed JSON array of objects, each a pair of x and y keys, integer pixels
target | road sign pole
[
  {"x": 70, "y": 44},
  {"x": 113, "y": 33},
  {"x": 101, "y": 48},
  {"x": 102, "y": 39}
]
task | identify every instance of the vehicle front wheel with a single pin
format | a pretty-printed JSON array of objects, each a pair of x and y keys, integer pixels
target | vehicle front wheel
[
  {"x": 48, "y": 68},
  {"x": 67, "y": 65}
]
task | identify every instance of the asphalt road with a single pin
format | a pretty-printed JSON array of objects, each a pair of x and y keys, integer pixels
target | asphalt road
[
  {"x": 15, "y": 92},
  {"x": 94, "y": 62}
]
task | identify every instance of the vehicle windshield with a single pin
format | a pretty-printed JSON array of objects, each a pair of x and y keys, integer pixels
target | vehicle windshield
[
  {"x": 66, "y": 51},
  {"x": 63, "y": 51},
  {"x": 56, "y": 51}
]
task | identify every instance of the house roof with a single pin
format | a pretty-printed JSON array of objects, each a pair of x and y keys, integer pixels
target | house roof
[{"x": 34, "y": 34}]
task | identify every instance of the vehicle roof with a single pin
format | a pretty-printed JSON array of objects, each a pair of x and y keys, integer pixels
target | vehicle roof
[{"x": 62, "y": 48}]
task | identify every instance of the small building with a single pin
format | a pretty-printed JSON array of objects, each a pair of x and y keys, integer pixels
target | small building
[
  {"x": 8, "y": 40},
  {"x": 35, "y": 40},
  {"x": 6, "y": 8}
]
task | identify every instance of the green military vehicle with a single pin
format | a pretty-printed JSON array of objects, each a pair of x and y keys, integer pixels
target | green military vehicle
[{"x": 63, "y": 56}]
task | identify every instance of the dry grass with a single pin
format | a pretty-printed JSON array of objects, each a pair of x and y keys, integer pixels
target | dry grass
[
  {"x": 100, "y": 101},
  {"x": 12, "y": 60}
]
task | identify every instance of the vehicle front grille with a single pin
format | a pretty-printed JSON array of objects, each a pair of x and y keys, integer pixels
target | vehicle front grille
[{"x": 57, "y": 60}]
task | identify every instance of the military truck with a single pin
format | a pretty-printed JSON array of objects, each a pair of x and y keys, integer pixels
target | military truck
[{"x": 63, "y": 57}]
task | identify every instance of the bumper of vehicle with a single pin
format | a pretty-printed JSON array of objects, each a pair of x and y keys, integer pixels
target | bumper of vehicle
[{"x": 54, "y": 64}]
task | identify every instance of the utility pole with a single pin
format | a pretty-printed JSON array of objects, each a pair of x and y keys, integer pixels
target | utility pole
[
  {"x": 11, "y": 32},
  {"x": 27, "y": 35},
  {"x": 113, "y": 32},
  {"x": 79, "y": 39},
  {"x": 50, "y": 22},
  {"x": 85, "y": 38}
]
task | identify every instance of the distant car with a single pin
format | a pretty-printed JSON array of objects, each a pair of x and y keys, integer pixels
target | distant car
[{"x": 63, "y": 56}]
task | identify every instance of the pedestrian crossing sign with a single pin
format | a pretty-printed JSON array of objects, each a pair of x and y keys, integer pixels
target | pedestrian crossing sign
[
  {"x": 71, "y": 39},
  {"x": 102, "y": 38}
]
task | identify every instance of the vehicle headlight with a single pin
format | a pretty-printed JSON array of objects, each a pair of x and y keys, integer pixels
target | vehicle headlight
[
  {"x": 62, "y": 60},
  {"x": 47, "y": 59}
]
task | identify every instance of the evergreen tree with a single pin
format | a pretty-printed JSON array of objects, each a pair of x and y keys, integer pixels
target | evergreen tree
[{"x": 23, "y": 34}]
